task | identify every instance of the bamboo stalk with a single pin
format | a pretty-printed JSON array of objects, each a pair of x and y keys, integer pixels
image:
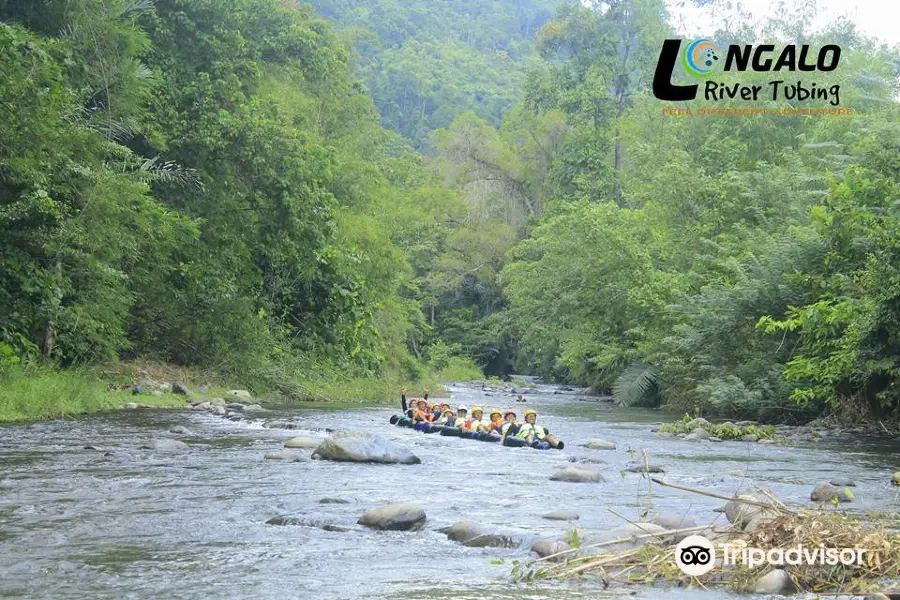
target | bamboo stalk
[
  {"x": 625, "y": 539},
  {"x": 721, "y": 496}
]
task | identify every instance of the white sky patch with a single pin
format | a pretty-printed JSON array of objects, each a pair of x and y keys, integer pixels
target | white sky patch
[{"x": 874, "y": 18}]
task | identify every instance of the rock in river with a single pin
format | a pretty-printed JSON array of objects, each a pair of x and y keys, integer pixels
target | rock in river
[
  {"x": 600, "y": 445},
  {"x": 576, "y": 475},
  {"x": 824, "y": 492},
  {"x": 357, "y": 447},
  {"x": 463, "y": 531},
  {"x": 492, "y": 540},
  {"x": 286, "y": 455},
  {"x": 181, "y": 430},
  {"x": 563, "y": 515},
  {"x": 671, "y": 522},
  {"x": 776, "y": 581},
  {"x": 333, "y": 501},
  {"x": 302, "y": 442},
  {"x": 396, "y": 517},
  {"x": 548, "y": 547},
  {"x": 641, "y": 467}
]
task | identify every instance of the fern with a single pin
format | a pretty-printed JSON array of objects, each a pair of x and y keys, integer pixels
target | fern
[{"x": 637, "y": 386}]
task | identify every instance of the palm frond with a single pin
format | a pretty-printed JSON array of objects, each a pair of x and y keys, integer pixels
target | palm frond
[
  {"x": 170, "y": 172},
  {"x": 637, "y": 386}
]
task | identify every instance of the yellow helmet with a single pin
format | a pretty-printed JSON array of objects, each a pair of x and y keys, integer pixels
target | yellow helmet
[
  {"x": 530, "y": 412},
  {"x": 476, "y": 409},
  {"x": 496, "y": 411}
]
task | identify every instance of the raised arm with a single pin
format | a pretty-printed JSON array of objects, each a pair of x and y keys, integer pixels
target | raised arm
[{"x": 403, "y": 399}]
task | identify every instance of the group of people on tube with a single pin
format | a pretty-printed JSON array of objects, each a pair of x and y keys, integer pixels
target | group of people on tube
[{"x": 503, "y": 424}]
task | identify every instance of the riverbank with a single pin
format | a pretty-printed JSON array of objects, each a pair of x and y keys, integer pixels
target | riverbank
[{"x": 41, "y": 393}]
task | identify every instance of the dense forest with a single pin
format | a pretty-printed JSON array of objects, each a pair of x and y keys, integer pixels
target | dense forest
[{"x": 386, "y": 189}]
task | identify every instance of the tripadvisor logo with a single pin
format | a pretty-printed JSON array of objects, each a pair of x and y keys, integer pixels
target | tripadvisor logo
[{"x": 702, "y": 58}]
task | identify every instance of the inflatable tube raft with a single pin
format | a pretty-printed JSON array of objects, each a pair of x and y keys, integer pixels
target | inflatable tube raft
[{"x": 511, "y": 442}]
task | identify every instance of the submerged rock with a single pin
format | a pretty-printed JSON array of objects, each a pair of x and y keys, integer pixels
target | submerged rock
[
  {"x": 166, "y": 445},
  {"x": 586, "y": 460},
  {"x": 395, "y": 517},
  {"x": 357, "y": 447},
  {"x": 286, "y": 455},
  {"x": 600, "y": 445},
  {"x": 333, "y": 501},
  {"x": 280, "y": 425},
  {"x": 576, "y": 475},
  {"x": 181, "y": 430},
  {"x": 825, "y": 492},
  {"x": 776, "y": 581},
  {"x": 492, "y": 540},
  {"x": 640, "y": 467},
  {"x": 562, "y": 515}
]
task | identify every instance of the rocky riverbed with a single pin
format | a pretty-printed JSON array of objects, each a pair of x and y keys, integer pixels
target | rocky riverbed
[{"x": 203, "y": 502}]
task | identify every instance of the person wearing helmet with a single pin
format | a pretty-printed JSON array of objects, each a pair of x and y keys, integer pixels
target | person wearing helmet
[
  {"x": 530, "y": 431},
  {"x": 412, "y": 402},
  {"x": 496, "y": 420},
  {"x": 448, "y": 417},
  {"x": 461, "y": 414},
  {"x": 421, "y": 411},
  {"x": 510, "y": 427},
  {"x": 476, "y": 424}
]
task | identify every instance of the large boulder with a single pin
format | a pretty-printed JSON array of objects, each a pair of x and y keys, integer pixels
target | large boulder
[
  {"x": 600, "y": 445},
  {"x": 576, "y": 475},
  {"x": 356, "y": 447},
  {"x": 698, "y": 422},
  {"x": 302, "y": 442},
  {"x": 179, "y": 388},
  {"x": 776, "y": 581},
  {"x": 395, "y": 517},
  {"x": 825, "y": 492}
]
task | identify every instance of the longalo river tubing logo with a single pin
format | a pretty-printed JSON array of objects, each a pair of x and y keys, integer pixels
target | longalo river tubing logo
[{"x": 702, "y": 58}]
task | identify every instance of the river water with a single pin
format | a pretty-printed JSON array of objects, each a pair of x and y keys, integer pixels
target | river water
[{"x": 122, "y": 522}]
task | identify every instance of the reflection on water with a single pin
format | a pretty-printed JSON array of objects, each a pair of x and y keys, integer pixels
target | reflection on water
[{"x": 117, "y": 521}]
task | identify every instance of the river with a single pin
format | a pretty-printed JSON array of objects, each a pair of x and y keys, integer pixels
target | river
[{"x": 121, "y": 522}]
